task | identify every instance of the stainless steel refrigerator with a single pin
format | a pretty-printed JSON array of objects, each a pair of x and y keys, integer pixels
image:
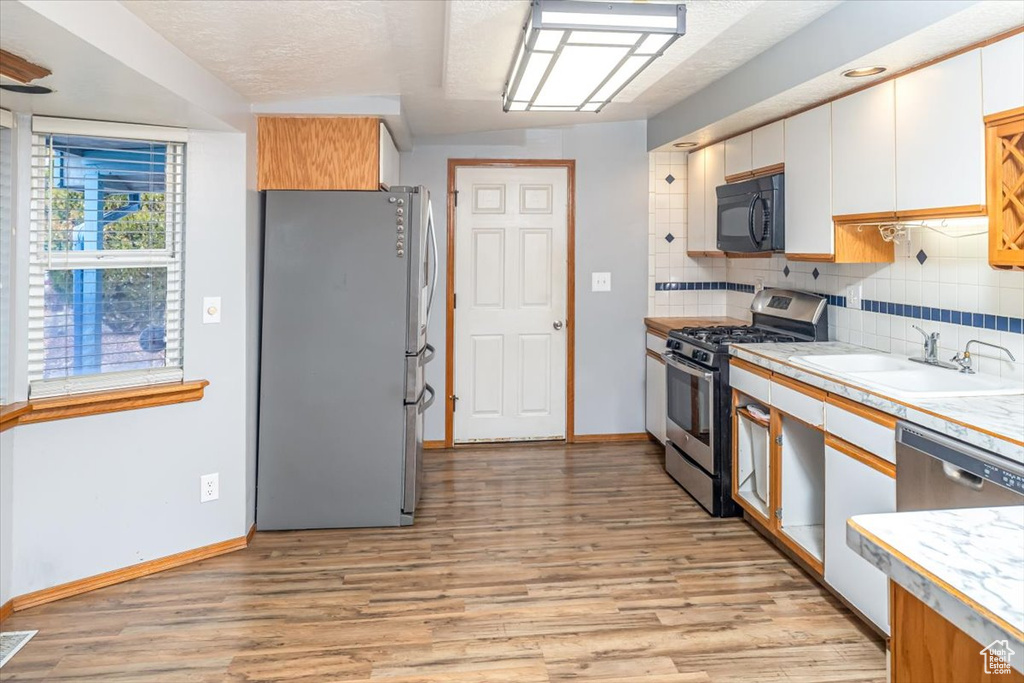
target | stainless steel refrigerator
[{"x": 347, "y": 287}]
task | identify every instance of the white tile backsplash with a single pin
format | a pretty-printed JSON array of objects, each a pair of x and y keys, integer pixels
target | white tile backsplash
[{"x": 955, "y": 275}]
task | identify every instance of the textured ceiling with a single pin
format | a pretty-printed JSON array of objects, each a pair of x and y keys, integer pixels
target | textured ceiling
[
  {"x": 86, "y": 82},
  {"x": 448, "y": 61},
  {"x": 973, "y": 24}
]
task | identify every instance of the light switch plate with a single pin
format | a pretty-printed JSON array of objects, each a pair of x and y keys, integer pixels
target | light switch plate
[
  {"x": 211, "y": 309},
  {"x": 601, "y": 282}
]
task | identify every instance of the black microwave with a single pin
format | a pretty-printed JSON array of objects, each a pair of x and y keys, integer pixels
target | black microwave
[{"x": 751, "y": 215}]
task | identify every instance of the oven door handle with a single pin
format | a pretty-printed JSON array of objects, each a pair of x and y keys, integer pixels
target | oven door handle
[{"x": 688, "y": 369}]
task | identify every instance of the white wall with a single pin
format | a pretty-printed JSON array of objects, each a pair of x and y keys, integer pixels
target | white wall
[
  {"x": 97, "y": 493},
  {"x": 611, "y": 209}
]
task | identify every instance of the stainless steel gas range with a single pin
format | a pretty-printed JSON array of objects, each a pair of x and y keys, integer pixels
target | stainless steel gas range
[{"x": 699, "y": 428}]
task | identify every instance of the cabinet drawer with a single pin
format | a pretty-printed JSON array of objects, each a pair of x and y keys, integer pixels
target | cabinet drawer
[
  {"x": 869, "y": 429},
  {"x": 750, "y": 380},
  {"x": 804, "y": 403},
  {"x": 655, "y": 343}
]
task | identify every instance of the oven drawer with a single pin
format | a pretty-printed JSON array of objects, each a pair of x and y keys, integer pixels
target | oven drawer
[
  {"x": 696, "y": 481},
  {"x": 750, "y": 382}
]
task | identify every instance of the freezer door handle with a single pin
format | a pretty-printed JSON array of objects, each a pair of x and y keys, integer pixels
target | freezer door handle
[
  {"x": 433, "y": 258},
  {"x": 430, "y": 401}
]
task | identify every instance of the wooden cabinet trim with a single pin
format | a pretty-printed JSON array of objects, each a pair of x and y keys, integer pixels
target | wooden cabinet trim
[
  {"x": 797, "y": 385},
  {"x": 750, "y": 367},
  {"x": 735, "y": 177},
  {"x": 861, "y": 410},
  {"x": 817, "y": 258},
  {"x": 740, "y": 500},
  {"x": 100, "y": 402},
  {"x": 860, "y": 455},
  {"x": 656, "y": 356}
]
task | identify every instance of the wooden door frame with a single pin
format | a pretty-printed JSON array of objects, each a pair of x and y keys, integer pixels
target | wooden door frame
[{"x": 570, "y": 287}]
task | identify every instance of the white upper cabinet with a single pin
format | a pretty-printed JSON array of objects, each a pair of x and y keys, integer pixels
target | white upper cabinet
[
  {"x": 738, "y": 154},
  {"x": 940, "y": 151},
  {"x": 695, "y": 201},
  {"x": 808, "y": 190},
  {"x": 389, "y": 158},
  {"x": 714, "y": 175},
  {"x": 1002, "y": 75},
  {"x": 864, "y": 151},
  {"x": 767, "y": 145}
]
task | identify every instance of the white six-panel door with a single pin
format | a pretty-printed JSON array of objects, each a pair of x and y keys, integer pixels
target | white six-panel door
[{"x": 510, "y": 315}]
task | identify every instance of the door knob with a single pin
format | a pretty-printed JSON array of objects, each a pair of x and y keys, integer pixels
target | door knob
[{"x": 557, "y": 324}]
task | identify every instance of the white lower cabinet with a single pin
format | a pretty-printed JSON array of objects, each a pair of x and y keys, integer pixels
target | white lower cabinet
[
  {"x": 656, "y": 398},
  {"x": 855, "y": 488}
]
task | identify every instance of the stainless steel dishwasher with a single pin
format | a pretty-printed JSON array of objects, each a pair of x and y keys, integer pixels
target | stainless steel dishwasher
[{"x": 935, "y": 472}]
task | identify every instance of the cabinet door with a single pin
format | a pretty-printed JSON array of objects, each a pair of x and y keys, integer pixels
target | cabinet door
[
  {"x": 1002, "y": 75},
  {"x": 940, "y": 149},
  {"x": 767, "y": 148},
  {"x": 714, "y": 175},
  {"x": 695, "y": 201},
  {"x": 656, "y": 398},
  {"x": 864, "y": 151},
  {"x": 809, "y": 182},
  {"x": 737, "y": 155},
  {"x": 855, "y": 488}
]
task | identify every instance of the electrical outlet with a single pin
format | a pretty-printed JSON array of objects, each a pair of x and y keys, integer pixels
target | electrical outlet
[
  {"x": 209, "y": 487},
  {"x": 758, "y": 284},
  {"x": 600, "y": 282},
  {"x": 853, "y": 296}
]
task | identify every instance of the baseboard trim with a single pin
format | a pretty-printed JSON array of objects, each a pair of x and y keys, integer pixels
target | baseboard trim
[
  {"x": 136, "y": 571},
  {"x": 433, "y": 445},
  {"x": 6, "y": 609},
  {"x": 609, "y": 438},
  {"x": 252, "y": 532}
]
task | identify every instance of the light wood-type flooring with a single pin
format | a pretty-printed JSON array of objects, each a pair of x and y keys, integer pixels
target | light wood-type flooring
[{"x": 527, "y": 563}]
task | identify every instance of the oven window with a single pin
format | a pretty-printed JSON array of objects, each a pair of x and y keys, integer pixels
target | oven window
[{"x": 689, "y": 404}]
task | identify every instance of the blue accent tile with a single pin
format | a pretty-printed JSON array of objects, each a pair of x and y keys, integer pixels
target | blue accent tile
[
  {"x": 990, "y": 322},
  {"x": 670, "y": 179},
  {"x": 815, "y": 273},
  {"x": 945, "y": 315},
  {"x": 1017, "y": 325},
  {"x": 977, "y": 320},
  {"x": 898, "y": 309},
  {"x": 936, "y": 313},
  {"x": 921, "y": 257},
  {"x": 876, "y": 306},
  {"x": 965, "y": 318},
  {"x": 1002, "y": 323},
  {"x": 865, "y": 305},
  {"x": 669, "y": 238},
  {"x": 916, "y": 312},
  {"x": 955, "y": 317},
  {"x": 926, "y": 313},
  {"x": 786, "y": 271}
]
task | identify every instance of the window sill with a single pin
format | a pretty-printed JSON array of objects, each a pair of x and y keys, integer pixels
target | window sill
[{"x": 97, "y": 403}]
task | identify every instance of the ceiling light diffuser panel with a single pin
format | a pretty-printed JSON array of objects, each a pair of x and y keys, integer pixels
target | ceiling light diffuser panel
[{"x": 577, "y": 56}]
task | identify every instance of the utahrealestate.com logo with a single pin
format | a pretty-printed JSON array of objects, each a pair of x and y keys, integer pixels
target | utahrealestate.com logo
[{"x": 997, "y": 657}]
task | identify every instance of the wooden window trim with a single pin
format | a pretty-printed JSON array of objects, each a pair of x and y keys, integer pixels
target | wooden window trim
[{"x": 100, "y": 402}]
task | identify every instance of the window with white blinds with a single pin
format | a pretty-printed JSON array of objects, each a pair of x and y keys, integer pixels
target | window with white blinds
[
  {"x": 6, "y": 233},
  {"x": 105, "y": 257}
]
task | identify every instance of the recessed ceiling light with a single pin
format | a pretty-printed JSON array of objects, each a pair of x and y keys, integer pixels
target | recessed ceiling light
[
  {"x": 577, "y": 56},
  {"x": 26, "y": 89},
  {"x": 685, "y": 144},
  {"x": 863, "y": 71}
]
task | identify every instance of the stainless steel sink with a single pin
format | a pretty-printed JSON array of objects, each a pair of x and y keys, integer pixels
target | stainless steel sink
[{"x": 901, "y": 378}]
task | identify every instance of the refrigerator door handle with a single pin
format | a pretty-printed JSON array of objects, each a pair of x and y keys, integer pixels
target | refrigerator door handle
[
  {"x": 433, "y": 256},
  {"x": 428, "y": 354},
  {"x": 430, "y": 401}
]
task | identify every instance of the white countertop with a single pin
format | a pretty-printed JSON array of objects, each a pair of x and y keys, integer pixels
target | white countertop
[
  {"x": 967, "y": 565},
  {"x": 994, "y": 423}
]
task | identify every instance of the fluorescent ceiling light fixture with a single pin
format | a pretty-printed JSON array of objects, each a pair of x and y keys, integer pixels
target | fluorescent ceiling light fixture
[
  {"x": 864, "y": 71},
  {"x": 575, "y": 55}
]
